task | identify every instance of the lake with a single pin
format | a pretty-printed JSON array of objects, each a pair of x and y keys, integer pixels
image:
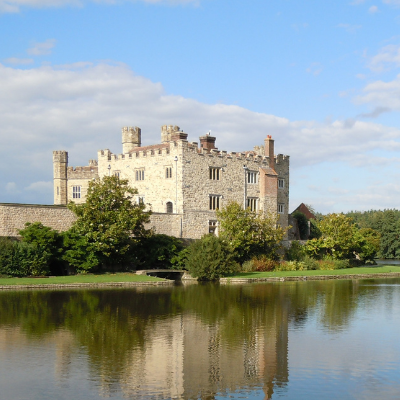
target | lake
[{"x": 287, "y": 340}]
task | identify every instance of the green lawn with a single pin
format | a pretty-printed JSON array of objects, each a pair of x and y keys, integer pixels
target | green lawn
[
  {"x": 89, "y": 278},
  {"x": 347, "y": 271}
]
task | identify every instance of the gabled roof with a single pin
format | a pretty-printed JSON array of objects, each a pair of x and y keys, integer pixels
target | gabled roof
[{"x": 304, "y": 209}]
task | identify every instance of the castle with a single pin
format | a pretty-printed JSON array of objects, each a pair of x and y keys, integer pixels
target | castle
[{"x": 181, "y": 182}]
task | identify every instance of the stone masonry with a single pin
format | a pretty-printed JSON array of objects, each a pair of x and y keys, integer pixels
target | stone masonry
[
  {"x": 181, "y": 182},
  {"x": 14, "y": 216}
]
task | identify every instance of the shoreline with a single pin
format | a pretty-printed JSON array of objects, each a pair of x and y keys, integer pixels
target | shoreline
[
  {"x": 223, "y": 281},
  {"x": 310, "y": 278},
  {"x": 86, "y": 285}
]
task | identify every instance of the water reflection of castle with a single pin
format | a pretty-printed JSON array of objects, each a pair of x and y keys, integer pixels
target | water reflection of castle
[
  {"x": 235, "y": 342},
  {"x": 184, "y": 358}
]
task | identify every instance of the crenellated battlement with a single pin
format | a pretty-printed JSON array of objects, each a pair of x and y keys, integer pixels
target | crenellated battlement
[
  {"x": 60, "y": 156},
  {"x": 131, "y": 138},
  {"x": 86, "y": 172},
  {"x": 167, "y": 131}
]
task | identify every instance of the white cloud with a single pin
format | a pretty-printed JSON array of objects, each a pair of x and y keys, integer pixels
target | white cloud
[
  {"x": 42, "y": 48},
  {"x": 373, "y": 9},
  {"x": 12, "y": 6},
  {"x": 385, "y": 95},
  {"x": 19, "y": 61},
  {"x": 387, "y": 58}
]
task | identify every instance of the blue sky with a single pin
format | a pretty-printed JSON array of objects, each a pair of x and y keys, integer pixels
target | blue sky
[{"x": 321, "y": 77}]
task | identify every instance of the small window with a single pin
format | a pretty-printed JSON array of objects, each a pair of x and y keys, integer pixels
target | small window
[
  {"x": 140, "y": 199},
  {"x": 58, "y": 190},
  {"x": 214, "y": 202},
  {"x": 168, "y": 172},
  {"x": 281, "y": 208},
  {"x": 76, "y": 192},
  {"x": 281, "y": 183},
  {"x": 252, "y": 177},
  {"x": 116, "y": 174},
  {"x": 214, "y": 174},
  {"x": 139, "y": 174},
  {"x": 252, "y": 203},
  {"x": 212, "y": 227},
  {"x": 170, "y": 207}
]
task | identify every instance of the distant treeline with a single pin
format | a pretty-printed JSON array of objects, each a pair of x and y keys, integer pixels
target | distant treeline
[{"x": 387, "y": 223}]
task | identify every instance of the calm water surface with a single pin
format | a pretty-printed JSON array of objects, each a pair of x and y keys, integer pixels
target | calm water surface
[{"x": 289, "y": 340}]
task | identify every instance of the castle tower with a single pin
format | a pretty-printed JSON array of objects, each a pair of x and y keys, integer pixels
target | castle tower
[
  {"x": 131, "y": 138},
  {"x": 167, "y": 131},
  {"x": 60, "y": 164}
]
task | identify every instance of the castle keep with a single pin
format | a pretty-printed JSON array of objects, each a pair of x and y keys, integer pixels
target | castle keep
[{"x": 183, "y": 182}]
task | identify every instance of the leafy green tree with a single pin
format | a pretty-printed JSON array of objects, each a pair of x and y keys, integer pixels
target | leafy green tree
[
  {"x": 248, "y": 233},
  {"x": 302, "y": 223},
  {"x": 390, "y": 234},
  {"x": 22, "y": 259},
  {"x": 47, "y": 240},
  {"x": 369, "y": 244},
  {"x": 210, "y": 258},
  {"x": 107, "y": 226},
  {"x": 341, "y": 239},
  {"x": 387, "y": 223},
  {"x": 157, "y": 251},
  {"x": 337, "y": 238}
]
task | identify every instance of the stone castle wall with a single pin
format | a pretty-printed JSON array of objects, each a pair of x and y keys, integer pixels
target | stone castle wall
[{"x": 14, "y": 216}]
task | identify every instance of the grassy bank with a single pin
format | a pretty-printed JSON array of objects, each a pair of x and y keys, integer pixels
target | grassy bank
[
  {"x": 347, "y": 271},
  {"x": 73, "y": 279}
]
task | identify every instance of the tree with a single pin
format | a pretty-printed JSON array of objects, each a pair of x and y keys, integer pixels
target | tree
[
  {"x": 302, "y": 223},
  {"x": 387, "y": 223},
  {"x": 107, "y": 225},
  {"x": 157, "y": 251},
  {"x": 210, "y": 258},
  {"x": 48, "y": 241},
  {"x": 390, "y": 234},
  {"x": 22, "y": 259},
  {"x": 341, "y": 239},
  {"x": 248, "y": 233}
]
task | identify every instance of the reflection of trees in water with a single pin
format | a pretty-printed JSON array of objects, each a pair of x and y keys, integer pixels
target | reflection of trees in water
[{"x": 213, "y": 337}]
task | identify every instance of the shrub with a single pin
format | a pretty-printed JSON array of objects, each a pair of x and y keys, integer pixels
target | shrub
[
  {"x": 22, "y": 259},
  {"x": 291, "y": 266},
  {"x": 263, "y": 264},
  {"x": 309, "y": 264},
  {"x": 209, "y": 259},
  {"x": 295, "y": 252},
  {"x": 48, "y": 241},
  {"x": 157, "y": 251},
  {"x": 179, "y": 260}
]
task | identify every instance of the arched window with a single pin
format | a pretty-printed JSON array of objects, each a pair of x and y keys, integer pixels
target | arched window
[{"x": 170, "y": 207}]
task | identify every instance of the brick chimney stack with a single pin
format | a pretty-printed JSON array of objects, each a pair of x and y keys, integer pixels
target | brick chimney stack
[
  {"x": 269, "y": 151},
  {"x": 207, "y": 142}
]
